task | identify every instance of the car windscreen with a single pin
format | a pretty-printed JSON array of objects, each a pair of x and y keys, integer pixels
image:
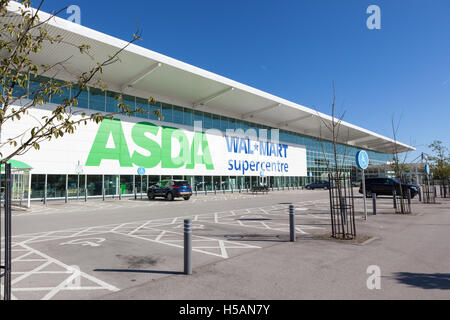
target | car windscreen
[{"x": 181, "y": 183}]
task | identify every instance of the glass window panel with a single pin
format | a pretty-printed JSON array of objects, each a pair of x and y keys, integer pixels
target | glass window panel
[
  {"x": 216, "y": 122},
  {"x": 166, "y": 112},
  {"x": 126, "y": 184},
  {"x": 198, "y": 183},
  {"x": 207, "y": 120},
  {"x": 224, "y": 123},
  {"x": 198, "y": 116},
  {"x": 112, "y": 102},
  {"x": 94, "y": 185},
  {"x": 111, "y": 184},
  {"x": 178, "y": 114},
  {"x": 96, "y": 99},
  {"x": 56, "y": 185},
  {"x": 231, "y": 124},
  {"x": 83, "y": 96},
  {"x": 217, "y": 185},
  {"x": 208, "y": 183},
  {"x": 187, "y": 117},
  {"x": 141, "y": 185},
  {"x": 75, "y": 185},
  {"x": 130, "y": 104},
  {"x": 142, "y": 110},
  {"x": 153, "y": 108},
  {"x": 37, "y": 186},
  {"x": 35, "y": 88}
]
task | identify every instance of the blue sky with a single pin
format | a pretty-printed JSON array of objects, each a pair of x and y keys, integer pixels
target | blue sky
[{"x": 295, "y": 49}]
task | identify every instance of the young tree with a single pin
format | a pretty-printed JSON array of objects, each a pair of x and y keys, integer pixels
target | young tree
[
  {"x": 440, "y": 160},
  {"x": 19, "y": 43},
  {"x": 399, "y": 166},
  {"x": 342, "y": 214}
]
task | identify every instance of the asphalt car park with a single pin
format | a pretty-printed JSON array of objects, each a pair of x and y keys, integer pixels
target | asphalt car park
[{"x": 95, "y": 259}]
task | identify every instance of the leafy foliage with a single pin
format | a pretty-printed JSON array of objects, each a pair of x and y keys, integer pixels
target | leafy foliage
[
  {"x": 440, "y": 160},
  {"x": 19, "y": 42}
]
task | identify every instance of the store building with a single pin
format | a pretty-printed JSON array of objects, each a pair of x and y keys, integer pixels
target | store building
[{"x": 272, "y": 140}]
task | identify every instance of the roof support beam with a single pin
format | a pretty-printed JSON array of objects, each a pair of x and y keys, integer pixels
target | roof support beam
[
  {"x": 212, "y": 97},
  {"x": 141, "y": 75},
  {"x": 363, "y": 139},
  {"x": 377, "y": 145},
  {"x": 252, "y": 113},
  {"x": 287, "y": 123}
]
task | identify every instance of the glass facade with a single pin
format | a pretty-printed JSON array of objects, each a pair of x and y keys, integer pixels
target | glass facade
[{"x": 319, "y": 153}]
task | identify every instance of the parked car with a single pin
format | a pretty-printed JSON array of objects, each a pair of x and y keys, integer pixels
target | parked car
[
  {"x": 385, "y": 186},
  {"x": 170, "y": 189},
  {"x": 318, "y": 185}
]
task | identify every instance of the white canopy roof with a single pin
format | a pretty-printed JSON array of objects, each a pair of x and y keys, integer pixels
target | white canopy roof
[{"x": 145, "y": 73}]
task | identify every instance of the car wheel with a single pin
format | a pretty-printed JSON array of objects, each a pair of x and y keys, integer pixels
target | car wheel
[
  {"x": 186, "y": 198},
  {"x": 169, "y": 196}
]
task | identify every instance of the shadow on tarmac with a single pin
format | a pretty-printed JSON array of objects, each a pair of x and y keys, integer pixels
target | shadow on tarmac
[
  {"x": 425, "y": 281},
  {"x": 138, "y": 271}
]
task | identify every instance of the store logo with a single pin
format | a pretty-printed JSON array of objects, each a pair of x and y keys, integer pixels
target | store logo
[{"x": 110, "y": 144}]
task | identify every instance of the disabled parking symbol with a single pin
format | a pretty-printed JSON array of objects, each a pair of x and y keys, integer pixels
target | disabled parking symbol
[{"x": 92, "y": 242}]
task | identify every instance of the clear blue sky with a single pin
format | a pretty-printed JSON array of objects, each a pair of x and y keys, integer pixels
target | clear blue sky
[{"x": 295, "y": 49}]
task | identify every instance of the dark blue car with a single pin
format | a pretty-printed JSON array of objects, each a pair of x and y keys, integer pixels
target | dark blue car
[
  {"x": 170, "y": 189},
  {"x": 318, "y": 185}
]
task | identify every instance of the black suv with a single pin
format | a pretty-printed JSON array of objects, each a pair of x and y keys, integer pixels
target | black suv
[
  {"x": 170, "y": 189},
  {"x": 385, "y": 186}
]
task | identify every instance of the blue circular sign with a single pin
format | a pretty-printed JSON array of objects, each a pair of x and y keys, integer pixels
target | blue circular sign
[
  {"x": 427, "y": 169},
  {"x": 141, "y": 171},
  {"x": 362, "y": 160}
]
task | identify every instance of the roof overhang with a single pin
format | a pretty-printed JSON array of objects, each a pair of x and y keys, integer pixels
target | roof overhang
[{"x": 145, "y": 73}]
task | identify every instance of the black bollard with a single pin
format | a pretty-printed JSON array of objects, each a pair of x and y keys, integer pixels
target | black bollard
[{"x": 187, "y": 246}]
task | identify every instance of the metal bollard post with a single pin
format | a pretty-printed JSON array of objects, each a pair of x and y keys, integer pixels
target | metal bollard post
[
  {"x": 187, "y": 246},
  {"x": 409, "y": 197},
  {"x": 394, "y": 195},
  {"x": 66, "y": 196},
  {"x": 85, "y": 195},
  {"x": 420, "y": 194},
  {"x": 103, "y": 194},
  {"x": 135, "y": 194},
  {"x": 292, "y": 223},
  {"x": 374, "y": 203}
]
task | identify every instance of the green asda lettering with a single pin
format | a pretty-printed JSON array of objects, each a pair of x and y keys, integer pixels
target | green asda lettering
[{"x": 144, "y": 135}]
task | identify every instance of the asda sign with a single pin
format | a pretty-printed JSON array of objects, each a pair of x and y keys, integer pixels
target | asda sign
[{"x": 158, "y": 144}]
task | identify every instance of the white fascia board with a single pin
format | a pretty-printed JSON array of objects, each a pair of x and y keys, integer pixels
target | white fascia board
[{"x": 132, "y": 48}]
